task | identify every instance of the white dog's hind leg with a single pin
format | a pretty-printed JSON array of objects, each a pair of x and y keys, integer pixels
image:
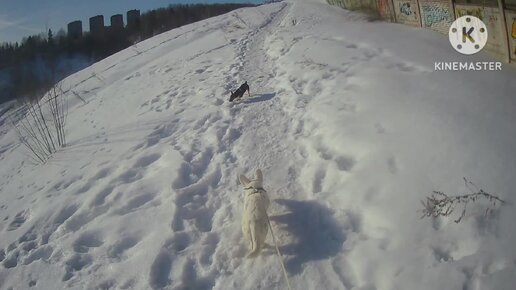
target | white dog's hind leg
[
  {"x": 255, "y": 244},
  {"x": 262, "y": 234},
  {"x": 258, "y": 231}
]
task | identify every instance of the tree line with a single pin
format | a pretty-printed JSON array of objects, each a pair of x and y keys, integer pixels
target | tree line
[{"x": 32, "y": 66}]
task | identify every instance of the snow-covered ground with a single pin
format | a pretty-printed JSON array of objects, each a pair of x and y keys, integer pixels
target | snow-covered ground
[{"x": 349, "y": 123}]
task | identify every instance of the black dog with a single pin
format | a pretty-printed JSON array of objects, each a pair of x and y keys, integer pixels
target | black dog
[{"x": 239, "y": 93}]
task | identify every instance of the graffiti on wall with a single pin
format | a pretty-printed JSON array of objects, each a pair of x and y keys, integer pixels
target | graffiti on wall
[
  {"x": 337, "y": 3},
  {"x": 434, "y": 15},
  {"x": 437, "y": 14},
  {"x": 406, "y": 12},
  {"x": 513, "y": 28},
  {"x": 510, "y": 17},
  {"x": 473, "y": 11},
  {"x": 405, "y": 8}
]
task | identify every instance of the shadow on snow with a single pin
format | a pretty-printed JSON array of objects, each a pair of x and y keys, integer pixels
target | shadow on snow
[
  {"x": 316, "y": 233},
  {"x": 259, "y": 98}
]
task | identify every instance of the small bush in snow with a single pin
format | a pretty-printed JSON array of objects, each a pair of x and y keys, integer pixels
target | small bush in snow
[
  {"x": 441, "y": 204},
  {"x": 40, "y": 123}
]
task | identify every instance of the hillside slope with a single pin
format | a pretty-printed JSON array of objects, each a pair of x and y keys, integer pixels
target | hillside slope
[{"x": 349, "y": 122}]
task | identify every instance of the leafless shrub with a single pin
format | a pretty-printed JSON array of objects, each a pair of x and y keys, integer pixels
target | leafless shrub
[
  {"x": 40, "y": 123},
  {"x": 58, "y": 112},
  {"x": 441, "y": 204}
]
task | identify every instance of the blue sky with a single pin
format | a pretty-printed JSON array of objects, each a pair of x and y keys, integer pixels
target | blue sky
[{"x": 20, "y": 18}]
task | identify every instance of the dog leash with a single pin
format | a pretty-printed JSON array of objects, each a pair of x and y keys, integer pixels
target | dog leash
[{"x": 278, "y": 252}]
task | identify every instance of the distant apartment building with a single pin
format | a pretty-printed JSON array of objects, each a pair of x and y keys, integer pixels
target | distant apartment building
[
  {"x": 97, "y": 25},
  {"x": 133, "y": 18},
  {"x": 117, "y": 22},
  {"x": 75, "y": 29}
]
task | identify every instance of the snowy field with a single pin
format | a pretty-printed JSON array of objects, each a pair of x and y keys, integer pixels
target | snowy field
[{"x": 349, "y": 123}]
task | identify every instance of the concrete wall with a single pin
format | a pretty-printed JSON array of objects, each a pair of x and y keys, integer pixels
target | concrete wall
[
  {"x": 438, "y": 15},
  {"x": 510, "y": 3},
  {"x": 510, "y": 16},
  {"x": 361, "y": 4},
  {"x": 385, "y": 9}
]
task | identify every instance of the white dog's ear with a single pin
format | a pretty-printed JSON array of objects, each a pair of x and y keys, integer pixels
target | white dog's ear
[
  {"x": 244, "y": 180},
  {"x": 259, "y": 176}
]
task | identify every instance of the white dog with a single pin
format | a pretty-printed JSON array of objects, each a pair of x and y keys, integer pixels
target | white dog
[{"x": 255, "y": 221}]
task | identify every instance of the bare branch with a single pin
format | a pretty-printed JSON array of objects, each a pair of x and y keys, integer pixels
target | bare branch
[{"x": 441, "y": 204}]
